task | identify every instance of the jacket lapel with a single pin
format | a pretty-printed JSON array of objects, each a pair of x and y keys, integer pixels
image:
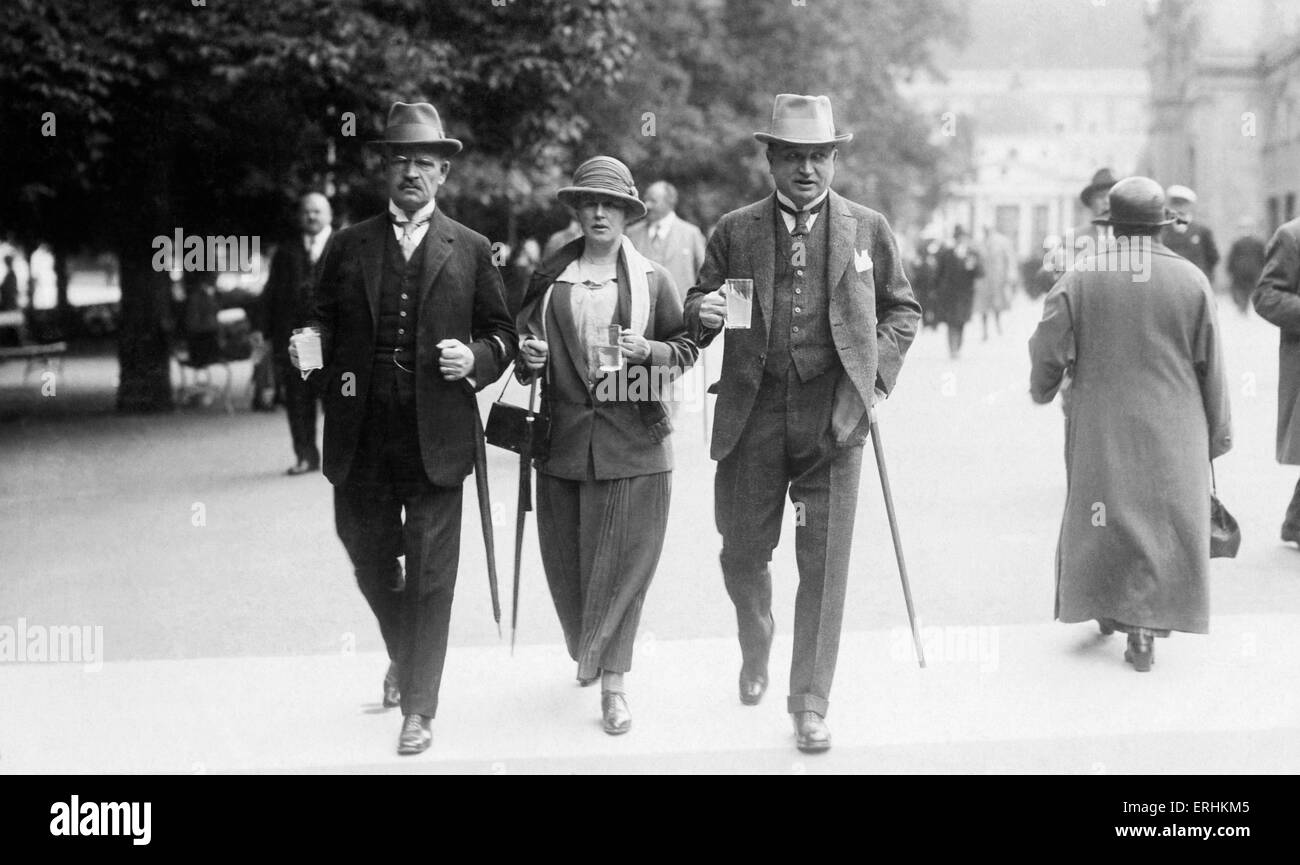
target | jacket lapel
[
  {"x": 843, "y": 238},
  {"x": 372, "y": 264},
  {"x": 561, "y": 309},
  {"x": 436, "y": 250},
  {"x": 763, "y": 242}
]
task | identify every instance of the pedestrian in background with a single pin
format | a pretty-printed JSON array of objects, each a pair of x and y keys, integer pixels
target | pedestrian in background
[
  {"x": 1191, "y": 239},
  {"x": 958, "y": 268},
  {"x": 288, "y": 301},
  {"x": 1148, "y": 411},
  {"x": 1245, "y": 264},
  {"x": 604, "y": 486},
  {"x": 993, "y": 289}
]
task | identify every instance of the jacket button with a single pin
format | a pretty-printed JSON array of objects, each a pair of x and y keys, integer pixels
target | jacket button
[
  {"x": 402, "y": 313},
  {"x": 795, "y": 328}
]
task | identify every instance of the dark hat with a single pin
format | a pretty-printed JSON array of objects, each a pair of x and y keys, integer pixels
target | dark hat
[
  {"x": 1136, "y": 202},
  {"x": 604, "y": 176},
  {"x": 802, "y": 120},
  {"x": 416, "y": 123},
  {"x": 1101, "y": 181}
]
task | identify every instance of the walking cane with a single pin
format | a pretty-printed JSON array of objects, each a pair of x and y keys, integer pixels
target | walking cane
[
  {"x": 521, "y": 513},
  {"x": 893, "y": 529},
  {"x": 485, "y": 513}
]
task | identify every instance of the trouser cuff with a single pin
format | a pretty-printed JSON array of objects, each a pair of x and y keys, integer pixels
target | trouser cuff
[{"x": 807, "y": 703}]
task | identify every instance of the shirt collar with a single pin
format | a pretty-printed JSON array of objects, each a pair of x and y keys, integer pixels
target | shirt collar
[
  {"x": 664, "y": 224},
  {"x": 790, "y": 204},
  {"x": 421, "y": 215},
  {"x": 319, "y": 237}
]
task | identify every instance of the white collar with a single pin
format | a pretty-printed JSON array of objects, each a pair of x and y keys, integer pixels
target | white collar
[
  {"x": 319, "y": 237},
  {"x": 780, "y": 196},
  {"x": 421, "y": 215}
]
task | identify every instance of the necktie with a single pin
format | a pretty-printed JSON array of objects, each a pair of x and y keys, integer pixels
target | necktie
[
  {"x": 407, "y": 240},
  {"x": 801, "y": 216}
]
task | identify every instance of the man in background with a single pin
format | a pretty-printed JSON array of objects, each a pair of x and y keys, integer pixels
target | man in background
[
  {"x": 1190, "y": 239},
  {"x": 666, "y": 238},
  {"x": 287, "y": 302}
]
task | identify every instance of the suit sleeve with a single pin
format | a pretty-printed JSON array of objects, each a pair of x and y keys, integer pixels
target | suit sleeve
[
  {"x": 672, "y": 348},
  {"x": 1275, "y": 296},
  {"x": 1214, "y": 383},
  {"x": 897, "y": 312},
  {"x": 1211, "y": 253},
  {"x": 268, "y": 306},
  {"x": 697, "y": 250},
  {"x": 710, "y": 278},
  {"x": 494, "y": 345},
  {"x": 329, "y": 289},
  {"x": 1051, "y": 348}
]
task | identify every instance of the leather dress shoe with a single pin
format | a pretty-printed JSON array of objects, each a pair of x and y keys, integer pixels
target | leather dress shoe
[
  {"x": 616, "y": 717},
  {"x": 1290, "y": 535},
  {"x": 302, "y": 467},
  {"x": 753, "y": 674},
  {"x": 1106, "y": 626},
  {"x": 416, "y": 736},
  {"x": 811, "y": 734},
  {"x": 392, "y": 696},
  {"x": 1141, "y": 651}
]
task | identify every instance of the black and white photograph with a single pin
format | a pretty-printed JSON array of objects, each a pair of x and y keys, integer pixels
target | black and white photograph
[{"x": 689, "y": 387}]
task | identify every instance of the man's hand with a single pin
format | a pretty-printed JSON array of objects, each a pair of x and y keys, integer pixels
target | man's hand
[
  {"x": 713, "y": 310},
  {"x": 850, "y": 421},
  {"x": 456, "y": 361},
  {"x": 293, "y": 355},
  {"x": 634, "y": 346},
  {"x": 533, "y": 352}
]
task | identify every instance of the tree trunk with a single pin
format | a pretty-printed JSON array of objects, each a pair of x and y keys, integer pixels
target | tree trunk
[{"x": 143, "y": 355}]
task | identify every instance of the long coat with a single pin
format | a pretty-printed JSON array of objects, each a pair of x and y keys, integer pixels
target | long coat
[
  {"x": 993, "y": 289},
  {"x": 873, "y": 314},
  {"x": 461, "y": 297},
  {"x": 1148, "y": 410},
  {"x": 1277, "y": 299},
  {"x": 955, "y": 284},
  {"x": 616, "y": 438}
]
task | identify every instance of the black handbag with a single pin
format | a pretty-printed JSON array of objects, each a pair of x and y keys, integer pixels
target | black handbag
[
  {"x": 522, "y": 430},
  {"x": 1225, "y": 534}
]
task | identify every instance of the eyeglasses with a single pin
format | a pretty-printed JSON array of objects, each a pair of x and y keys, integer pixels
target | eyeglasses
[{"x": 424, "y": 163}]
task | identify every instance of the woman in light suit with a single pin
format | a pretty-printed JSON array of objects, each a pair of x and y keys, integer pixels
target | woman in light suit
[{"x": 603, "y": 488}]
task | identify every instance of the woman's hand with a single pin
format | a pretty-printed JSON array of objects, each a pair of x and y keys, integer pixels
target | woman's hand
[
  {"x": 533, "y": 352},
  {"x": 634, "y": 346}
]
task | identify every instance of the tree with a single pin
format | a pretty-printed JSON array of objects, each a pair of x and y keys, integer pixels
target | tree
[
  {"x": 128, "y": 121},
  {"x": 706, "y": 71}
]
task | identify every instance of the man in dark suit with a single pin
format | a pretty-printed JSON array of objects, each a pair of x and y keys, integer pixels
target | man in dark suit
[
  {"x": 287, "y": 301},
  {"x": 413, "y": 320},
  {"x": 833, "y": 316}
]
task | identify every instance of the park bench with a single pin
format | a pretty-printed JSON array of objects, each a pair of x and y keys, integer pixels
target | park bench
[{"x": 49, "y": 355}]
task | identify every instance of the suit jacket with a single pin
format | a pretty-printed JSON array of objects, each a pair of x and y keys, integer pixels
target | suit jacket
[
  {"x": 288, "y": 299},
  {"x": 461, "y": 297},
  {"x": 873, "y": 313},
  {"x": 680, "y": 251},
  {"x": 617, "y": 437},
  {"x": 1277, "y": 299}
]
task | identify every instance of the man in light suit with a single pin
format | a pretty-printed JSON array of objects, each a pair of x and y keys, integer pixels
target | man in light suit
[
  {"x": 833, "y": 316},
  {"x": 413, "y": 320},
  {"x": 666, "y": 238}
]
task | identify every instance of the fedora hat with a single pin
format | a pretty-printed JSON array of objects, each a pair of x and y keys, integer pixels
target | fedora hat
[
  {"x": 802, "y": 120},
  {"x": 607, "y": 177},
  {"x": 1101, "y": 181},
  {"x": 1136, "y": 202},
  {"x": 416, "y": 123}
]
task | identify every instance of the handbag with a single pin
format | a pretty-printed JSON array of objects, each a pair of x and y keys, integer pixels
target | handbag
[
  {"x": 525, "y": 431},
  {"x": 1225, "y": 534},
  {"x": 519, "y": 429}
]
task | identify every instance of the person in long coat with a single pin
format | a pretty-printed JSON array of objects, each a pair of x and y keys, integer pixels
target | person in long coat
[
  {"x": 603, "y": 489},
  {"x": 959, "y": 266},
  {"x": 993, "y": 289},
  {"x": 1137, "y": 333},
  {"x": 1277, "y": 300}
]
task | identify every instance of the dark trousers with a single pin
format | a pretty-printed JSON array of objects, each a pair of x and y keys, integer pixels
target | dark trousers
[
  {"x": 300, "y": 405},
  {"x": 386, "y": 509},
  {"x": 1292, "y": 521},
  {"x": 787, "y": 448}
]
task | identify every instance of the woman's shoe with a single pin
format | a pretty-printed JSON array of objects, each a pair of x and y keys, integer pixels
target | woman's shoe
[
  {"x": 1141, "y": 650},
  {"x": 615, "y": 715}
]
